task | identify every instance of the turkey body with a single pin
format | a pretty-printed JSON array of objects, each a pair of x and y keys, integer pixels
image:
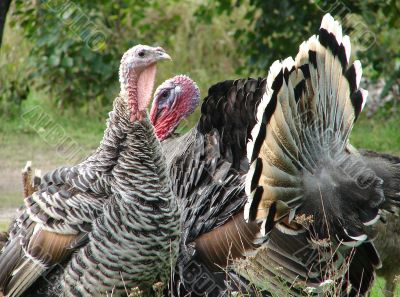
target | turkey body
[
  {"x": 207, "y": 166},
  {"x": 136, "y": 219},
  {"x": 246, "y": 225}
]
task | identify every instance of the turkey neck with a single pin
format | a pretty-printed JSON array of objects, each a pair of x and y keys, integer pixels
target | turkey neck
[
  {"x": 141, "y": 153},
  {"x": 138, "y": 85},
  {"x": 141, "y": 178},
  {"x": 137, "y": 88},
  {"x": 166, "y": 125},
  {"x": 105, "y": 156}
]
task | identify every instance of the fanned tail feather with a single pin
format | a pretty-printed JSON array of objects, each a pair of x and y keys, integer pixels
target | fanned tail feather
[
  {"x": 300, "y": 159},
  {"x": 28, "y": 272}
]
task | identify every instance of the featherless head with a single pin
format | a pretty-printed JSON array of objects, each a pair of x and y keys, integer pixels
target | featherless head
[
  {"x": 174, "y": 100},
  {"x": 137, "y": 74}
]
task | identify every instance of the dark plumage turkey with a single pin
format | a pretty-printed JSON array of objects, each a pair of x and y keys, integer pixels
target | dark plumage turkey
[{"x": 272, "y": 193}]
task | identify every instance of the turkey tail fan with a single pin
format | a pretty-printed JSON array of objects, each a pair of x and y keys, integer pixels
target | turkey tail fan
[{"x": 300, "y": 158}]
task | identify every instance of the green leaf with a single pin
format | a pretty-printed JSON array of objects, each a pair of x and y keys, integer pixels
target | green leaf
[
  {"x": 54, "y": 60},
  {"x": 67, "y": 61}
]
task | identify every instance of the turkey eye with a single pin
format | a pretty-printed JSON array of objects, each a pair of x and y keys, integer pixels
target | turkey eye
[
  {"x": 165, "y": 94},
  {"x": 141, "y": 54}
]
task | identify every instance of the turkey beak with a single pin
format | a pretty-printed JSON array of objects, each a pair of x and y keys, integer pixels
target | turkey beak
[{"x": 160, "y": 54}]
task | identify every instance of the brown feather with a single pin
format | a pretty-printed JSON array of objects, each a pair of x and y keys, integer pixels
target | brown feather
[
  {"x": 50, "y": 247},
  {"x": 27, "y": 180},
  {"x": 229, "y": 241}
]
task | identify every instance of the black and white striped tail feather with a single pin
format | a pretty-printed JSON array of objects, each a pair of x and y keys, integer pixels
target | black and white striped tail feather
[
  {"x": 24, "y": 272},
  {"x": 27, "y": 273},
  {"x": 283, "y": 266},
  {"x": 310, "y": 104}
]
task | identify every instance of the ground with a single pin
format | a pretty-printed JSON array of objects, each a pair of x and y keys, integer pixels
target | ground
[{"x": 46, "y": 138}]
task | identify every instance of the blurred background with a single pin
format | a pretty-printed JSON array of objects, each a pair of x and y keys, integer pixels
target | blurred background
[{"x": 59, "y": 64}]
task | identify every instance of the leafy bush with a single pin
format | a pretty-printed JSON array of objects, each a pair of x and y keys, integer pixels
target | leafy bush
[
  {"x": 14, "y": 77},
  {"x": 63, "y": 59},
  {"x": 76, "y": 46},
  {"x": 276, "y": 29}
]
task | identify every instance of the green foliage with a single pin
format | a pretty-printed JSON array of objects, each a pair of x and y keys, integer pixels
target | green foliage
[
  {"x": 14, "y": 75},
  {"x": 277, "y": 28},
  {"x": 14, "y": 89},
  {"x": 76, "y": 45},
  {"x": 382, "y": 60},
  {"x": 65, "y": 59}
]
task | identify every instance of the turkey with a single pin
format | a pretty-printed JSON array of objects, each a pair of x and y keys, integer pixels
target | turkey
[
  {"x": 174, "y": 100},
  {"x": 207, "y": 166},
  {"x": 129, "y": 213},
  {"x": 307, "y": 178},
  {"x": 296, "y": 221}
]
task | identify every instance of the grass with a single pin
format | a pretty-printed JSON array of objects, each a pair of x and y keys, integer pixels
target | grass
[
  {"x": 379, "y": 133},
  {"x": 21, "y": 140},
  {"x": 379, "y": 288},
  {"x": 4, "y": 225}
]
